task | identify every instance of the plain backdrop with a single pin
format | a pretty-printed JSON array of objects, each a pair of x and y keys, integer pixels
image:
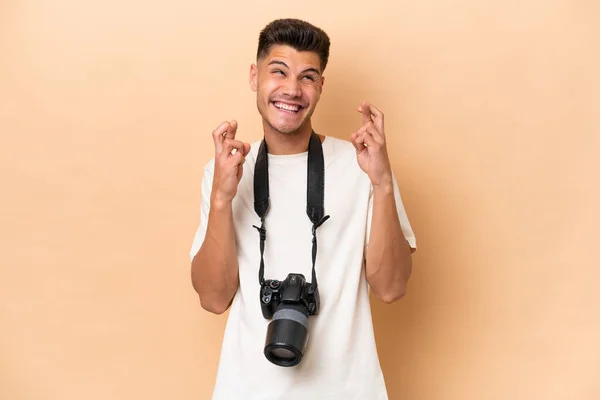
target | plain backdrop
[{"x": 492, "y": 118}]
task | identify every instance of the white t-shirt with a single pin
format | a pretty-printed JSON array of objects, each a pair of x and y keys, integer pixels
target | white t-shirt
[{"x": 340, "y": 360}]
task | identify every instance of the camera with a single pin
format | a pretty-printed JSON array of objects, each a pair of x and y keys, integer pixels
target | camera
[{"x": 288, "y": 304}]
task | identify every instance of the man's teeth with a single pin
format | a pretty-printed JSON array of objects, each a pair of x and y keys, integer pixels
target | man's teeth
[{"x": 287, "y": 107}]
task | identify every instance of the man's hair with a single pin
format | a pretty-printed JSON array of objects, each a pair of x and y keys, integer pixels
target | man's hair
[{"x": 297, "y": 34}]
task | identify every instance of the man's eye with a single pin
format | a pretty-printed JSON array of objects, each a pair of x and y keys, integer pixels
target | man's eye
[{"x": 278, "y": 71}]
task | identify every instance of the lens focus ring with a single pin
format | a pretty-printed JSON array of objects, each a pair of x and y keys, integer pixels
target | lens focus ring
[{"x": 293, "y": 314}]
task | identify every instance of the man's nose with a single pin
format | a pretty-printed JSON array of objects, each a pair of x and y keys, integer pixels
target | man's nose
[{"x": 292, "y": 88}]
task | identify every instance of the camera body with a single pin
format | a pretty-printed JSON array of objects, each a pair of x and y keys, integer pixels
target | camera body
[
  {"x": 294, "y": 290},
  {"x": 288, "y": 304}
]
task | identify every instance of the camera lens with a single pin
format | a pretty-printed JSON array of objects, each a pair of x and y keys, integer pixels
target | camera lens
[
  {"x": 282, "y": 353},
  {"x": 287, "y": 335}
]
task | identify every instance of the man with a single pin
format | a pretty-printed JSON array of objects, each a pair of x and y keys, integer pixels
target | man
[{"x": 365, "y": 244}]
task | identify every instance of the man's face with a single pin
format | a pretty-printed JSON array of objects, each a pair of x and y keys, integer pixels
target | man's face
[{"x": 288, "y": 86}]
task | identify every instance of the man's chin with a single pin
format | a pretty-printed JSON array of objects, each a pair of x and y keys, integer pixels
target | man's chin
[{"x": 286, "y": 129}]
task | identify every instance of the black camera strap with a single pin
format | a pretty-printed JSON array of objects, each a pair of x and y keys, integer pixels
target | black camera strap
[{"x": 315, "y": 195}]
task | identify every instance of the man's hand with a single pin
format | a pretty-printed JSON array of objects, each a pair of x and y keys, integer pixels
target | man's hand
[
  {"x": 370, "y": 144},
  {"x": 228, "y": 163}
]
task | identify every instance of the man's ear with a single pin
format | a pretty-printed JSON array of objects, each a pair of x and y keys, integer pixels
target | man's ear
[
  {"x": 253, "y": 77},
  {"x": 321, "y": 85}
]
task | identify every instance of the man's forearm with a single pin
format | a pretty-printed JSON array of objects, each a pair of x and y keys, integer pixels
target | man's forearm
[
  {"x": 215, "y": 266},
  {"x": 389, "y": 260}
]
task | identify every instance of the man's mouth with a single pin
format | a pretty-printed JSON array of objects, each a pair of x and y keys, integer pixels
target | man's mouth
[{"x": 287, "y": 107}]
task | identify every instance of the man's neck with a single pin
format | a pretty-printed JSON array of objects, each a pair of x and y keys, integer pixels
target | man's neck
[{"x": 288, "y": 143}]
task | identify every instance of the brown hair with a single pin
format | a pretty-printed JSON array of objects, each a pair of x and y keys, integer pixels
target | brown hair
[{"x": 297, "y": 34}]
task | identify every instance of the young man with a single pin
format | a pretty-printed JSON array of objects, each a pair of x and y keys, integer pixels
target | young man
[{"x": 322, "y": 349}]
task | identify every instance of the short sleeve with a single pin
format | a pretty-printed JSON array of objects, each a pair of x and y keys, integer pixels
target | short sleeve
[
  {"x": 402, "y": 216},
  {"x": 207, "y": 180}
]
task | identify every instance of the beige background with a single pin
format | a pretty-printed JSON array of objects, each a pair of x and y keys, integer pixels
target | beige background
[{"x": 492, "y": 111}]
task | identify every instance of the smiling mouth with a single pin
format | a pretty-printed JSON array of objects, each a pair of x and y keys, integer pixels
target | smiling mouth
[{"x": 289, "y": 108}]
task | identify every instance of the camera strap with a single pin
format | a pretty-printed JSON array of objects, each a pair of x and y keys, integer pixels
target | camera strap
[{"x": 315, "y": 196}]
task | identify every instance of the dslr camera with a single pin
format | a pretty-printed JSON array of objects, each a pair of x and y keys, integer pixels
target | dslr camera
[{"x": 288, "y": 304}]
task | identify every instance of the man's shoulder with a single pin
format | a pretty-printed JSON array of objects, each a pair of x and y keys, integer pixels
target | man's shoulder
[
  {"x": 336, "y": 150},
  {"x": 341, "y": 153},
  {"x": 338, "y": 144}
]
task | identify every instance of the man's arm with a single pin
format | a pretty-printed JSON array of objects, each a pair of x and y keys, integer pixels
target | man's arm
[
  {"x": 215, "y": 267},
  {"x": 389, "y": 256},
  {"x": 389, "y": 260}
]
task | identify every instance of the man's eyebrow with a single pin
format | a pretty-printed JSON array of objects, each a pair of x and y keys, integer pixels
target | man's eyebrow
[
  {"x": 310, "y": 69},
  {"x": 278, "y": 62}
]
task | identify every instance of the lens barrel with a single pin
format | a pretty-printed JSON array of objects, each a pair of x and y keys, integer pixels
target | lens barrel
[{"x": 287, "y": 335}]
